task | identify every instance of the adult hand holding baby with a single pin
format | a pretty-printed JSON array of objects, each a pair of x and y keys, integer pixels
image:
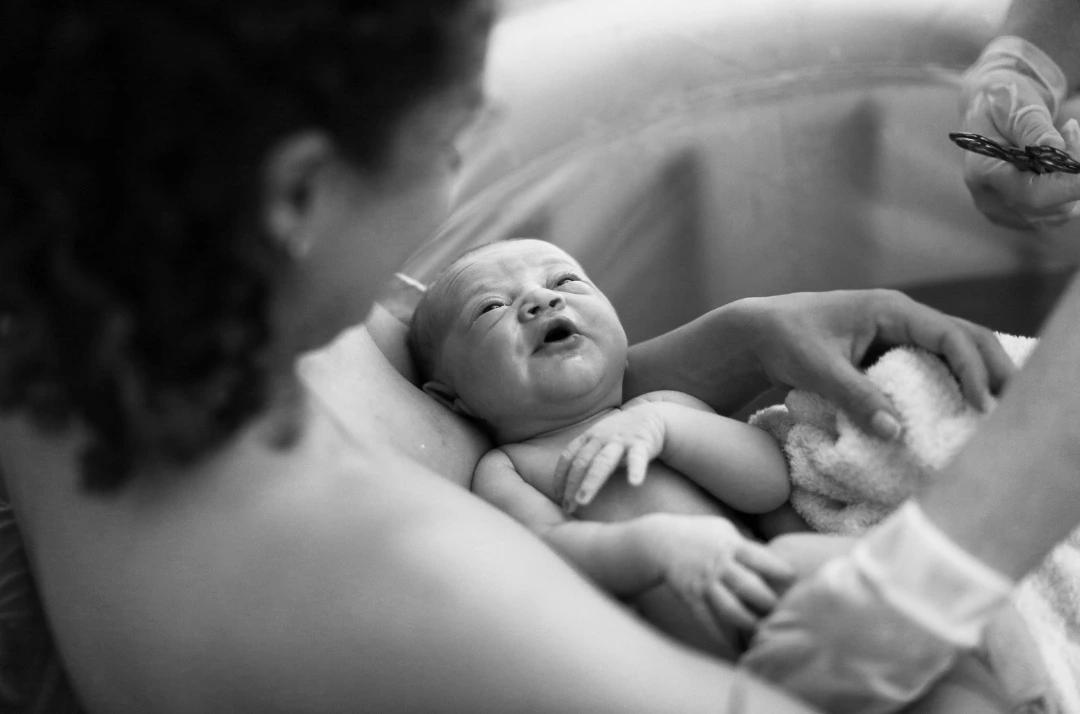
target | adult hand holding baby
[
  {"x": 1012, "y": 95},
  {"x": 827, "y": 336},
  {"x": 815, "y": 342}
]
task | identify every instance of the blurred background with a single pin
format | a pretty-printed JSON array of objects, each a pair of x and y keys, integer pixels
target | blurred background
[{"x": 693, "y": 152}]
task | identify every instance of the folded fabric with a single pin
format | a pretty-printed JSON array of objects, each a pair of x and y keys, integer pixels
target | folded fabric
[{"x": 845, "y": 480}]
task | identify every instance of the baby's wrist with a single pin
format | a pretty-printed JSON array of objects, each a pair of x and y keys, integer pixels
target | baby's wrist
[{"x": 652, "y": 540}]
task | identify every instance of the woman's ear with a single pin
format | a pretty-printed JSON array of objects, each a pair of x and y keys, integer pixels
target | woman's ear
[
  {"x": 290, "y": 176},
  {"x": 445, "y": 395}
]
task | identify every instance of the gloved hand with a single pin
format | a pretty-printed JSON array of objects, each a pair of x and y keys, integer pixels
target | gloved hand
[{"x": 1012, "y": 95}]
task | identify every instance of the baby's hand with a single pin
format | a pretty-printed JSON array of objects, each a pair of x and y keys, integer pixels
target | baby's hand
[
  {"x": 632, "y": 437},
  {"x": 722, "y": 576}
]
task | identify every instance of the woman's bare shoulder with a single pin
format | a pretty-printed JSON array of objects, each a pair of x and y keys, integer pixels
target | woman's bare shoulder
[{"x": 370, "y": 400}]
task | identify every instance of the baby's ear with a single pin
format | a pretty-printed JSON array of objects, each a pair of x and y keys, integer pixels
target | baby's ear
[{"x": 444, "y": 394}]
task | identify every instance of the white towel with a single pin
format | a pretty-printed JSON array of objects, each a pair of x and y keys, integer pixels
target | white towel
[{"x": 845, "y": 480}]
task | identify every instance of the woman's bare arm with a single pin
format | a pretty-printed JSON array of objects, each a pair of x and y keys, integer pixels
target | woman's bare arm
[
  {"x": 1013, "y": 491},
  {"x": 816, "y": 342}
]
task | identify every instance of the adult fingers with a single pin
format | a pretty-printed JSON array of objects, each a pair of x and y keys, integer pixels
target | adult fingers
[
  {"x": 909, "y": 322},
  {"x": 843, "y": 384},
  {"x": 1005, "y": 194},
  {"x": 996, "y": 198},
  {"x": 999, "y": 366},
  {"x": 966, "y": 363},
  {"x": 1025, "y": 121}
]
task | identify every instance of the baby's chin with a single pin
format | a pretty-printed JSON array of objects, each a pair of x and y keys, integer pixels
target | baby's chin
[{"x": 583, "y": 393}]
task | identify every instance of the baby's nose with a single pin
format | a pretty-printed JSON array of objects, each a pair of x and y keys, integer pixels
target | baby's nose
[{"x": 540, "y": 302}]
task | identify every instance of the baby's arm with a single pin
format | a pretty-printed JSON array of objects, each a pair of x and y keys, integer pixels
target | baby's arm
[
  {"x": 614, "y": 555},
  {"x": 722, "y": 577},
  {"x": 738, "y": 464}
]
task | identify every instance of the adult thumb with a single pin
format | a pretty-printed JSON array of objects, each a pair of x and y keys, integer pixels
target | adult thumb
[
  {"x": 1035, "y": 127},
  {"x": 1025, "y": 121},
  {"x": 868, "y": 407}
]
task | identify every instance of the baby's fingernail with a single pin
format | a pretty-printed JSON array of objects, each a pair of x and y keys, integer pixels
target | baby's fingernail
[
  {"x": 885, "y": 425},
  {"x": 583, "y": 496}
]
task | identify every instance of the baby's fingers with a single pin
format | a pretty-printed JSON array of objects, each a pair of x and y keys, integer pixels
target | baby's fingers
[
  {"x": 766, "y": 563},
  {"x": 708, "y": 620},
  {"x": 750, "y": 588},
  {"x": 637, "y": 463},
  {"x": 728, "y": 608},
  {"x": 571, "y": 468},
  {"x": 577, "y": 458},
  {"x": 560, "y": 483},
  {"x": 600, "y": 469}
]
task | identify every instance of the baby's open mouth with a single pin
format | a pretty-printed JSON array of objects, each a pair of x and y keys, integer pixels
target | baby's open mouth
[{"x": 558, "y": 333}]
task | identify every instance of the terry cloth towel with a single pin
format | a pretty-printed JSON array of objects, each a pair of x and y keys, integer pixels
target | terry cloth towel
[{"x": 845, "y": 480}]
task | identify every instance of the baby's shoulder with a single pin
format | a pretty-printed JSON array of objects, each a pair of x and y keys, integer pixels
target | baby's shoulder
[{"x": 669, "y": 396}]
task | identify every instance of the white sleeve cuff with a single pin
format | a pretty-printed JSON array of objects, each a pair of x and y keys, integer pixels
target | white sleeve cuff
[{"x": 923, "y": 574}]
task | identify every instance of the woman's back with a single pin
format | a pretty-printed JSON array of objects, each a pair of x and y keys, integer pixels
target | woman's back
[{"x": 248, "y": 522}]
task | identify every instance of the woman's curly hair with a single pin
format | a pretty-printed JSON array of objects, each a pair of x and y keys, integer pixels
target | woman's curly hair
[{"x": 135, "y": 277}]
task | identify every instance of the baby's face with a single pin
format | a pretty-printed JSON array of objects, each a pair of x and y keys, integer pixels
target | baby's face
[{"x": 529, "y": 333}]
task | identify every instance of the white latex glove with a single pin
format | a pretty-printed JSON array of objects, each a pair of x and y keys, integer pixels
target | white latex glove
[
  {"x": 1012, "y": 95},
  {"x": 870, "y": 631}
]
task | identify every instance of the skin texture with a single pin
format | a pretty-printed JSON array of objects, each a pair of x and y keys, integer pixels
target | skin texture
[
  {"x": 520, "y": 339},
  {"x": 495, "y": 362},
  {"x": 315, "y": 563},
  {"x": 275, "y": 572}
]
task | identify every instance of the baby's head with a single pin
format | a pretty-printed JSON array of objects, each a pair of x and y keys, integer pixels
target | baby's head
[{"x": 515, "y": 335}]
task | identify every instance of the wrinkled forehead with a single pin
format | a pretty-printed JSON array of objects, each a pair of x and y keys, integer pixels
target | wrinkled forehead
[{"x": 498, "y": 265}]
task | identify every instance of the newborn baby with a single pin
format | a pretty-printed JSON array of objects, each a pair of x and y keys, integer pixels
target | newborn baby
[{"x": 515, "y": 335}]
